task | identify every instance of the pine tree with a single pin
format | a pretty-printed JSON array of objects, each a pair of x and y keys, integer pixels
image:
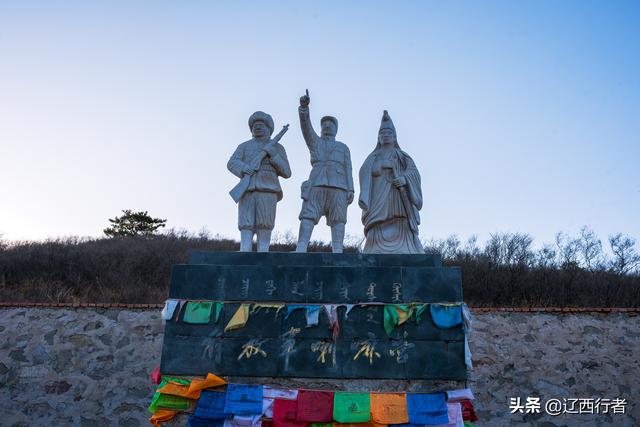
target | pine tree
[{"x": 134, "y": 224}]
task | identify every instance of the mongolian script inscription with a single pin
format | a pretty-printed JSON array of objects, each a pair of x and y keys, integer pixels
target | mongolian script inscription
[
  {"x": 318, "y": 290},
  {"x": 371, "y": 292},
  {"x": 396, "y": 292},
  {"x": 295, "y": 287},
  {"x": 344, "y": 291},
  {"x": 270, "y": 288},
  {"x": 244, "y": 289}
]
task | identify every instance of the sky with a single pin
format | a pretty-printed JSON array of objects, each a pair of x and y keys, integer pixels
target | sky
[{"x": 521, "y": 116}]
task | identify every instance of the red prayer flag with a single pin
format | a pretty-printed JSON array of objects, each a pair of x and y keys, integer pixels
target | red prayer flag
[
  {"x": 155, "y": 375},
  {"x": 285, "y": 414},
  {"x": 315, "y": 406},
  {"x": 266, "y": 422},
  {"x": 468, "y": 413}
]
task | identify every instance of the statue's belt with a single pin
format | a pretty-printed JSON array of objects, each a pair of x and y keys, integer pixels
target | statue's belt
[
  {"x": 266, "y": 167},
  {"x": 326, "y": 162}
]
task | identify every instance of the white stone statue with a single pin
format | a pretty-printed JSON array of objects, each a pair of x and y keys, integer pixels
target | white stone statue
[
  {"x": 329, "y": 189},
  {"x": 258, "y": 162},
  {"x": 390, "y": 197}
]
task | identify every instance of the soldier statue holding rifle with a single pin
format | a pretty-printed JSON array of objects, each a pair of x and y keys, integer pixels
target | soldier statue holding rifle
[
  {"x": 258, "y": 163},
  {"x": 329, "y": 189},
  {"x": 390, "y": 196}
]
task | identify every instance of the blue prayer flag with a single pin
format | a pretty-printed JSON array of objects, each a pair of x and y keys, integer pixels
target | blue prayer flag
[
  {"x": 292, "y": 308},
  {"x": 446, "y": 316},
  {"x": 211, "y": 406},
  {"x": 204, "y": 422},
  {"x": 243, "y": 399},
  {"x": 426, "y": 408}
]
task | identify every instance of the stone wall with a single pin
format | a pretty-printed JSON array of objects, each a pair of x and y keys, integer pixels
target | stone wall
[{"x": 90, "y": 366}]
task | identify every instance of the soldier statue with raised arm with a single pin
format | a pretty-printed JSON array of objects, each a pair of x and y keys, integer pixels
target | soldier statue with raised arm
[
  {"x": 258, "y": 162},
  {"x": 329, "y": 189}
]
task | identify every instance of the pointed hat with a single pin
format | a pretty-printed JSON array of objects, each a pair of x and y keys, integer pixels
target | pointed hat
[{"x": 386, "y": 122}]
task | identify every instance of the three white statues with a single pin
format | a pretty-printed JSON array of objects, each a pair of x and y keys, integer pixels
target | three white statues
[{"x": 390, "y": 192}]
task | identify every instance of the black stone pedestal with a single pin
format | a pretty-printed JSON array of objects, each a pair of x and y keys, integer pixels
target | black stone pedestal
[{"x": 271, "y": 346}]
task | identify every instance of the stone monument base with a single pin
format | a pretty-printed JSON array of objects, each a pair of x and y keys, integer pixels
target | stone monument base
[{"x": 319, "y": 316}]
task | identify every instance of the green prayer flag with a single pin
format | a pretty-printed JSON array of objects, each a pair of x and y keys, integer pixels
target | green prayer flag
[
  {"x": 396, "y": 314},
  {"x": 391, "y": 318},
  {"x": 217, "y": 310},
  {"x": 351, "y": 407},
  {"x": 167, "y": 379},
  {"x": 153, "y": 406},
  {"x": 168, "y": 401},
  {"x": 321, "y": 424},
  {"x": 197, "y": 312},
  {"x": 468, "y": 424}
]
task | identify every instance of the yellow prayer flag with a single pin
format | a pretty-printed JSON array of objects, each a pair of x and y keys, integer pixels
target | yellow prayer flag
[{"x": 239, "y": 318}]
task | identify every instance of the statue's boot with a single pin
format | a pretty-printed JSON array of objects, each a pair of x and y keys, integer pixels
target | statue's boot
[
  {"x": 246, "y": 240},
  {"x": 264, "y": 239},
  {"x": 337, "y": 238},
  {"x": 304, "y": 235}
]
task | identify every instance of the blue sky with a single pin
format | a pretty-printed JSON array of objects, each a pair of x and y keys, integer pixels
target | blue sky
[{"x": 521, "y": 116}]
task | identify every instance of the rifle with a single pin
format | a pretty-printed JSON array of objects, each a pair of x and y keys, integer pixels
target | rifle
[{"x": 240, "y": 188}]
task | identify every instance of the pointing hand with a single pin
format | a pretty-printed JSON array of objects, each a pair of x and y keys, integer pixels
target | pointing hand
[{"x": 304, "y": 99}]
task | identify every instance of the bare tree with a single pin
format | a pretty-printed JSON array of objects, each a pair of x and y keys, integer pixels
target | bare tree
[
  {"x": 626, "y": 258},
  {"x": 509, "y": 248},
  {"x": 204, "y": 234},
  {"x": 590, "y": 249},
  {"x": 546, "y": 257},
  {"x": 494, "y": 248},
  {"x": 471, "y": 248},
  {"x": 519, "y": 245},
  {"x": 568, "y": 249},
  {"x": 448, "y": 248}
]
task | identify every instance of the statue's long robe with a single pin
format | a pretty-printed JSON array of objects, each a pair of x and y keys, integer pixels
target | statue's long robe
[{"x": 386, "y": 226}]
